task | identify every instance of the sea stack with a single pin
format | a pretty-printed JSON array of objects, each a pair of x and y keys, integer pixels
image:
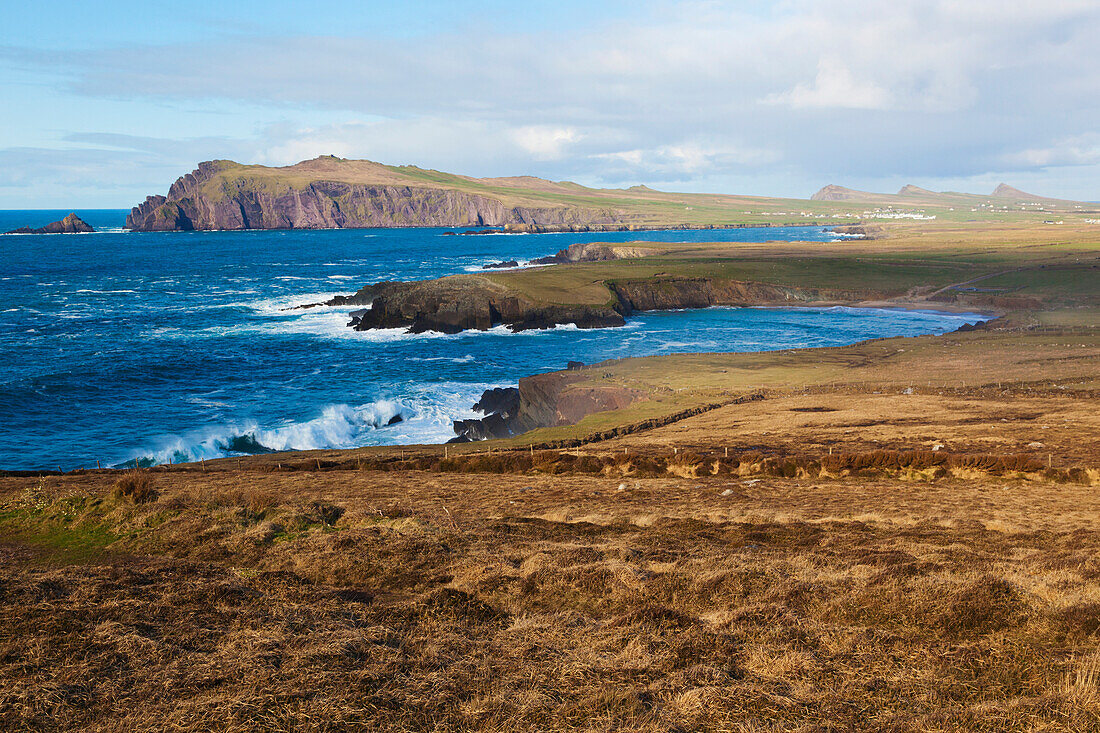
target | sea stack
[{"x": 71, "y": 224}]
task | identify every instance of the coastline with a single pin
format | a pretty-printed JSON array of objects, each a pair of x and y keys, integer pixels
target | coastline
[{"x": 536, "y": 400}]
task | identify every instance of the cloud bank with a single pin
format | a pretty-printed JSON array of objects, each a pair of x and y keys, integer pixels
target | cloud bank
[{"x": 701, "y": 95}]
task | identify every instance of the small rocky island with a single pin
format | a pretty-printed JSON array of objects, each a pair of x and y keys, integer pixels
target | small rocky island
[{"x": 71, "y": 224}]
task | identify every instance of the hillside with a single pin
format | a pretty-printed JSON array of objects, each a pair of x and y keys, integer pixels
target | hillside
[{"x": 329, "y": 192}]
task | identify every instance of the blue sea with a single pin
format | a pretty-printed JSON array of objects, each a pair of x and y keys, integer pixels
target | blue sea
[{"x": 154, "y": 347}]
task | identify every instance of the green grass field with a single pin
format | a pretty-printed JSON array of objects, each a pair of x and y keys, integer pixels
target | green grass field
[
  {"x": 645, "y": 207},
  {"x": 1009, "y": 260}
]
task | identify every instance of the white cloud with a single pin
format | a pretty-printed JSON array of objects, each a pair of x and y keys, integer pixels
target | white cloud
[
  {"x": 834, "y": 87},
  {"x": 1081, "y": 150},
  {"x": 679, "y": 161},
  {"x": 544, "y": 142}
]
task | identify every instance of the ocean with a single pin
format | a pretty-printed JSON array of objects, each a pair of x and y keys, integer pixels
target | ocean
[{"x": 153, "y": 347}]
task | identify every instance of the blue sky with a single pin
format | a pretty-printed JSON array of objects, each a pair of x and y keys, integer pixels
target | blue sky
[{"x": 103, "y": 103}]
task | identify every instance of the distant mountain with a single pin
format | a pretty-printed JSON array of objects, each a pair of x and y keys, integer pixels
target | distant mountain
[
  {"x": 1005, "y": 191},
  {"x": 910, "y": 195},
  {"x": 832, "y": 192}
]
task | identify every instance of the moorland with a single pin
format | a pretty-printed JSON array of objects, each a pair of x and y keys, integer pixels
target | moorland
[{"x": 896, "y": 535}]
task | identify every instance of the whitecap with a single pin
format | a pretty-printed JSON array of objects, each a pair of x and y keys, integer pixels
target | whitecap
[{"x": 105, "y": 292}]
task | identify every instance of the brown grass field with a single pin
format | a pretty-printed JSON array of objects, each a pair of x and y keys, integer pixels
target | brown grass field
[{"x": 899, "y": 535}]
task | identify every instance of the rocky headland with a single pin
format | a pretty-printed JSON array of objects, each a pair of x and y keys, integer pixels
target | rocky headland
[
  {"x": 71, "y": 224},
  {"x": 333, "y": 193},
  {"x": 470, "y": 302},
  {"x": 478, "y": 302},
  {"x": 311, "y": 195}
]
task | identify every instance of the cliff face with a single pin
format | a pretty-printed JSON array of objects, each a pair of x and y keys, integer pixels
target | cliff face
[
  {"x": 450, "y": 305},
  {"x": 595, "y": 252},
  {"x": 542, "y": 401},
  {"x": 210, "y": 198},
  {"x": 674, "y": 293}
]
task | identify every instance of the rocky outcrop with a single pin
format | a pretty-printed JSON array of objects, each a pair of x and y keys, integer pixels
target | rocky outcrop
[
  {"x": 594, "y": 252},
  {"x": 468, "y": 302},
  {"x": 222, "y": 195},
  {"x": 500, "y": 407},
  {"x": 454, "y": 304},
  {"x": 866, "y": 231},
  {"x": 540, "y": 401},
  {"x": 71, "y": 224}
]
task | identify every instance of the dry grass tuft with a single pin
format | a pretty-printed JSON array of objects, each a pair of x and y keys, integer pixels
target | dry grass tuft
[{"x": 135, "y": 486}]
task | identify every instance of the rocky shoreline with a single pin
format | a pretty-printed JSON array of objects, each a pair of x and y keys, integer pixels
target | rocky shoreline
[
  {"x": 541, "y": 401},
  {"x": 461, "y": 303},
  {"x": 470, "y": 302}
]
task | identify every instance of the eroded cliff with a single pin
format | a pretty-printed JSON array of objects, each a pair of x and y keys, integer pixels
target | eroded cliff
[
  {"x": 226, "y": 195},
  {"x": 542, "y": 401}
]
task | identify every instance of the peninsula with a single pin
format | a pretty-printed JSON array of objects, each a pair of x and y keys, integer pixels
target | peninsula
[
  {"x": 598, "y": 285},
  {"x": 329, "y": 192}
]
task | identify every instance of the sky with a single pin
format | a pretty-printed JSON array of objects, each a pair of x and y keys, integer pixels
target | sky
[{"x": 103, "y": 103}]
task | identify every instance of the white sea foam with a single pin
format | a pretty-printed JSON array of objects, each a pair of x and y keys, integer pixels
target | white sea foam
[
  {"x": 481, "y": 267},
  {"x": 338, "y": 426},
  {"x": 105, "y": 292},
  {"x": 451, "y": 359},
  {"x": 427, "y": 412}
]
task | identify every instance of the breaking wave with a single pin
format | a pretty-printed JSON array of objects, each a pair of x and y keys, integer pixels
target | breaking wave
[
  {"x": 338, "y": 426},
  {"x": 424, "y": 415}
]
